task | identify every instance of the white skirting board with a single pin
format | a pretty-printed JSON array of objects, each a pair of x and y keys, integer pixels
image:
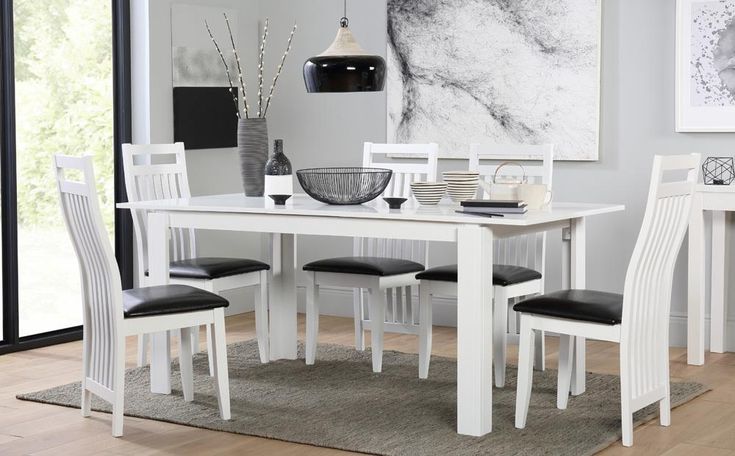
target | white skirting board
[
  {"x": 678, "y": 332},
  {"x": 338, "y": 302}
]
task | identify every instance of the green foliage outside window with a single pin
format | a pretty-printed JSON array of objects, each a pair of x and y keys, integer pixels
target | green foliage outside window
[{"x": 64, "y": 93}]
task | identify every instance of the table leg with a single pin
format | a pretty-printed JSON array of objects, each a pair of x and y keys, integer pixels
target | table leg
[
  {"x": 283, "y": 316},
  {"x": 720, "y": 263},
  {"x": 577, "y": 279},
  {"x": 695, "y": 311},
  {"x": 158, "y": 261},
  {"x": 474, "y": 330}
]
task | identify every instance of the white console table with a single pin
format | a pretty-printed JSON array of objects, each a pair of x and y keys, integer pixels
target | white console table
[{"x": 718, "y": 199}]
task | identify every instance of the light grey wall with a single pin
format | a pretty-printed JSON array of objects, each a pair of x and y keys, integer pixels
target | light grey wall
[{"x": 637, "y": 121}]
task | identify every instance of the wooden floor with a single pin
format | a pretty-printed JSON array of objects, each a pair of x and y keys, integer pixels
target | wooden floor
[{"x": 704, "y": 426}]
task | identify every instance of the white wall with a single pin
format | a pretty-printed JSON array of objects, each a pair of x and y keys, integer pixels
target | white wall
[{"x": 637, "y": 121}]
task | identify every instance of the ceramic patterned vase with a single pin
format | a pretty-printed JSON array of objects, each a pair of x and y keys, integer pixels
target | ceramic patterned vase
[
  {"x": 252, "y": 147},
  {"x": 278, "y": 175}
]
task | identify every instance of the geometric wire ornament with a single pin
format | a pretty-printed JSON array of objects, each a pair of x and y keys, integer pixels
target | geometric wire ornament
[{"x": 718, "y": 171}]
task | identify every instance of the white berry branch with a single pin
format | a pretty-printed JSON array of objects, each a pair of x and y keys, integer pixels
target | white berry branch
[
  {"x": 263, "y": 104},
  {"x": 260, "y": 69},
  {"x": 227, "y": 68},
  {"x": 240, "y": 77},
  {"x": 278, "y": 71}
]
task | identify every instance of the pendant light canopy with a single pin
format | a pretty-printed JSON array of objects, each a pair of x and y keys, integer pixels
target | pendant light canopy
[{"x": 344, "y": 66}]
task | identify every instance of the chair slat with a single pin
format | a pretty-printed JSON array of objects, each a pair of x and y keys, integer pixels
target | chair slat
[
  {"x": 423, "y": 167},
  {"x": 148, "y": 179}
]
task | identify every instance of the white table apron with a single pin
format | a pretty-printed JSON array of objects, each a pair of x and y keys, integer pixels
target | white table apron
[
  {"x": 473, "y": 236},
  {"x": 719, "y": 200}
]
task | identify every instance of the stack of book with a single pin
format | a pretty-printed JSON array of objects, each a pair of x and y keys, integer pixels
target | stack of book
[{"x": 500, "y": 207}]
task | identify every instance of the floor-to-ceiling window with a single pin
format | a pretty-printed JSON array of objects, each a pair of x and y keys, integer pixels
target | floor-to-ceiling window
[{"x": 64, "y": 92}]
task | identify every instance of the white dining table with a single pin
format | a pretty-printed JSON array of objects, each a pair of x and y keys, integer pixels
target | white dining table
[{"x": 473, "y": 236}]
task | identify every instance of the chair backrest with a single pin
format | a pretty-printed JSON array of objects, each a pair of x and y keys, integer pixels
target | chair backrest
[
  {"x": 101, "y": 287},
  {"x": 538, "y": 164},
  {"x": 647, "y": 295},
  {"x": 155, "y": 172},
  {"x": 423, "y": 165}
]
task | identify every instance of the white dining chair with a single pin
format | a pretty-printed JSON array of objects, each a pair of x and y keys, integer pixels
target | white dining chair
[
  {"x": 519, "y": 268},
  {"x": 110, "y": 314},
  {"x": 158, "y": 171},
  {"x": 384, "y": 268},
  {"x": 638, "y": 319}
]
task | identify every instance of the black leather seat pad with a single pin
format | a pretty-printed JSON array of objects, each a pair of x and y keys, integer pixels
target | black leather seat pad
[
  {"x": 581, "y": 305},
  {"x": 213, "y": 267},
  {"x": 503, "y": 274},
  {"x": 168, "y": 299},
  {"x": 375, "y": 266}
]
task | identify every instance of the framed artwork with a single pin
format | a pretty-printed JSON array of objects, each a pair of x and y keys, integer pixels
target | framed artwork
[
  {"x": 204, "y": 114},
  {"x": 495, "y": 72},
  {"x": 204, "y": 117},
  {"x": 705, "y": 66}
]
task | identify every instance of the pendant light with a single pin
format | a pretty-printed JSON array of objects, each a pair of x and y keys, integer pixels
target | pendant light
[{"x": 344, "y": 66}]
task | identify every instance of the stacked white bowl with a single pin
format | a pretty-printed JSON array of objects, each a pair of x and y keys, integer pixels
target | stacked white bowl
[
  {"x": 428, "y": 193},
  {"x": 461, "y": 185}
]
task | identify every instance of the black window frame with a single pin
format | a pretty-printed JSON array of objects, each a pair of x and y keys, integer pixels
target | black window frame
[{"x": 122, "y": 119}]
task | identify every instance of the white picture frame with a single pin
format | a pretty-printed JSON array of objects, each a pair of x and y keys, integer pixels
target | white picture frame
[{"x": 694, "y": 111}]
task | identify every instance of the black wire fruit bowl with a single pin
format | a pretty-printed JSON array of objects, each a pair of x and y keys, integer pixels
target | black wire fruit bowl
[{"x": 344, "y": 185}]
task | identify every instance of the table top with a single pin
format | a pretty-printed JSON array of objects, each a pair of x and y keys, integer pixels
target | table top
[
  {"x": 715, "y": 188},
  {"x": 303, "y": 205}
]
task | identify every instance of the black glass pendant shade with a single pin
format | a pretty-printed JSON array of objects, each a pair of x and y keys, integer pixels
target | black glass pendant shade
[
  {"x": 349, "y": 73},
  {"x": 344, "y": 67}
]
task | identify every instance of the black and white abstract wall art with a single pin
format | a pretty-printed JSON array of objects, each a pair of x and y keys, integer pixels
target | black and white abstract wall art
[
  {"x": 205, "y": 114},
  {"x": 495, "y": 72},
  {"x": 705, "y": 66}
]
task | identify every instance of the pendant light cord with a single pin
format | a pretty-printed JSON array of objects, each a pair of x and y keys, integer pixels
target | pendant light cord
[{"x": 344, "y": 22}]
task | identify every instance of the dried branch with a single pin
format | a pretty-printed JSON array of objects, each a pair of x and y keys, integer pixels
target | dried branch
[
  {"x": 260, "y": 69},
  {"x": 227, "y": 68},
  {"x": 243, "y": 87},
  {"x": 278, "y": 71}
]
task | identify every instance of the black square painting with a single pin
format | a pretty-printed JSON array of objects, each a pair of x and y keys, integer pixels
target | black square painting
[{"x": 205, "y": 117}]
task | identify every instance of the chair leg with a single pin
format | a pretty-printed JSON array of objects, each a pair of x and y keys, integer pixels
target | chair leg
[
  {"x": 539, "y": 354},
  {"x": 209, "y": 286},
  {"x": 86, "y": 401},
  {"x": 86, "y": 404},
  {"x": 525, "y": 372},
  {"x": 210, "y": 350},
  {"x": 500, "y": 323},
  {"x": 358, "y": 312},
  {"x": 565, "y": 370},
  {"x": 312, "y": 318},
  {"x": 425, "y": 330},
  {"x": 377, "y": 303},
  {"x": 142, "y": 349},
  {"x": 185, "y": 364},
  {"x": 664, "y": 406},
  {"x": 118, "y": 401},
  {"x": 261, "y": 317},
  {"x": 221, "y": 374},
  {"x": 194, "y": 333},
  {"x": 627, "y": 423}
]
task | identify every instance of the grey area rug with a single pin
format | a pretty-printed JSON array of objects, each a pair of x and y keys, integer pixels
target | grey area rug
[{"x": 340, "y": 403}]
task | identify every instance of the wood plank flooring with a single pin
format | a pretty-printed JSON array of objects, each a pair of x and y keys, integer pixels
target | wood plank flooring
[{"x": 705, "y": 426}]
